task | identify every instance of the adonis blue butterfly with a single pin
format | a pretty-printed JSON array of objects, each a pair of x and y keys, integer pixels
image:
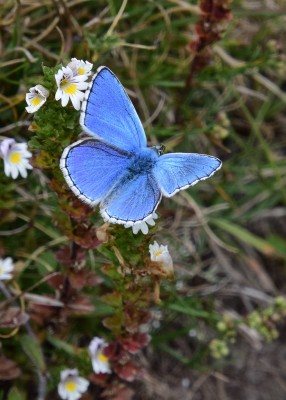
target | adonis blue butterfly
[{"x": 114, "y": 167}]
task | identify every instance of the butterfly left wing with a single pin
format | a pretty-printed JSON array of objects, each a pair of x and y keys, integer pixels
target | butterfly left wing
[
  {"x": 91, "y": 167},
  {"x": 108, "y": 113},
  {"x": 132, "y": 200},
  {"x": 176, "y": 171}
]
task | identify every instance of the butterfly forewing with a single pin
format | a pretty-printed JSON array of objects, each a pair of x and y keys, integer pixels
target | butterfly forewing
[
  {"x": 109, "y": 114},
  {"x": 91, "y": 167}
]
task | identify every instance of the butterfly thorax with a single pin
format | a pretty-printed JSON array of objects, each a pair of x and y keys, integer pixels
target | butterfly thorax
[{"x": 143, "y": 161}]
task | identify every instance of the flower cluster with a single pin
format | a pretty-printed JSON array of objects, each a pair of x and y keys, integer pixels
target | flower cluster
[
  {"x": 71, "y": 80},
  {"x": 16, "y": 158},
  {"x": 72, "y": 386}
]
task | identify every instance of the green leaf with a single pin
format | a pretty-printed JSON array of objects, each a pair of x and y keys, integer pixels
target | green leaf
[
  {"x": 245, "y": 236},
  {"x": 14, "y": 394},
  {"x": 33, "y": 350},
  {"x": 61, "y": 345},
  {"x": 278, "y": 243},
  {"x": 193, "y": 312}
]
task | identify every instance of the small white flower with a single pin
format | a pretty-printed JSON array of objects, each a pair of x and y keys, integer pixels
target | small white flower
[
  {"x": 100, "y": 362},
  {"x": 80, "y": 67},
  {"x": 70, "y": 86},
  {"x": 15, "y": 157},
  {"x": 143, "y": 225},
  {"x": 36, "y": 98},
  {"x": 6, "y": 267},
  {"x": 160, "y": 254},
  {"x": 71, "y": 386}
]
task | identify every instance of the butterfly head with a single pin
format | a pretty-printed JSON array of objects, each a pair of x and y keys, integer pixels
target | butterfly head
[{"x": 159, "y": 149}]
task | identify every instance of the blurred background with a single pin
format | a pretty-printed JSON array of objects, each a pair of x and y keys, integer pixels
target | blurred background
[{"x": 206, "y": 77}]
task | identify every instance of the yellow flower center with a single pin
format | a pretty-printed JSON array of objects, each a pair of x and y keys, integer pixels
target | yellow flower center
[
  {"x": 68, "y": 87},
  {"x": 81, "y": 71},
  {"x": 158, "y": 253},
  {"x": 36, "y": 101},
  {"x": 70, "y": 386},
  {"x": 1, "y": 270},
  {"x": 15, "y": 158},
  {"x": 102, "y": 358}
]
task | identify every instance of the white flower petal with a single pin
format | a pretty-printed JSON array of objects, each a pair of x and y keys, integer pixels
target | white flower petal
[
  {"x": 82, "y": 384},
  {"x": 62, "y": 391},
  {"x": 14, "y": 172},
  {"x": 5, "y": 277},
  {"x": 144, "y": 228},
  {"x": 82, "y": 85},
  {"x": 65, "y": 99},
  {"x": 136, "y": 229},
  {"x": 7, "y": 168},
  {"x": 7, "y": 262},
  {"x": 75, "y": 102},
  {"x": 80, "y": 79},
  {"x": 100, "y": 367},
  {"x": 5, "y": 146},
  {"x": 96, "y": 344},
  {"x": 29, "y": 109},
  {"x": 42, "y": 91},
  {"x": 58, "y": 94},
  {"x": 68, "y": 372},
  {"x": 23, "y": 172}
]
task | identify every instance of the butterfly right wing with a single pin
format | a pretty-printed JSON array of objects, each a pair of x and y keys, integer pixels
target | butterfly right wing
[
  {"x": 177, "y": 171},
  {"x": 91, "y": 167},
  {"x": 108, "y": 113}
]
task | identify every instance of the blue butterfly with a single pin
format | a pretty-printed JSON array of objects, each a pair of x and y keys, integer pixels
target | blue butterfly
[{"x": 114, "y": 167}]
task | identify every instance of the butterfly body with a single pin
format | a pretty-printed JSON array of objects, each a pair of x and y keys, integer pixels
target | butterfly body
[
  {"x": 143, "y": 161},
  {"x": 114, "y": 167}
]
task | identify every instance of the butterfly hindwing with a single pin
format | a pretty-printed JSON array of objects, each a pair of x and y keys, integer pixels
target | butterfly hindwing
[
  {"x": 132, "y": 200},
  {"x": 108, "y": 113},
  {"x": 91, "y": 167},
  {"x": 177, "y": 171}
]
